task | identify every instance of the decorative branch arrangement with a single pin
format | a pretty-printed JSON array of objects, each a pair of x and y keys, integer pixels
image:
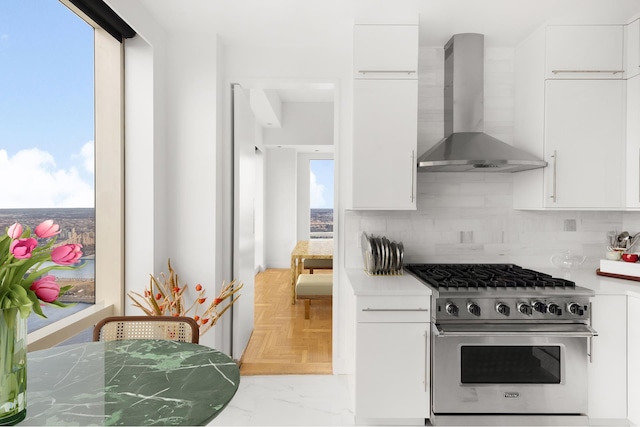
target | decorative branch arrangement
[{"x": 165, "y": 297}]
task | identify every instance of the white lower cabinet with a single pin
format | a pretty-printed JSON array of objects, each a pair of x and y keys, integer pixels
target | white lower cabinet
[
  {"x": 633, "y": 359},
  {"x": 392, "y": 378},
  {"x": 608, "y": 367}
]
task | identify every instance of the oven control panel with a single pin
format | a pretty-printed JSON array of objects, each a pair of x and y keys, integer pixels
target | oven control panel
[{"x": 512, "y": 309}]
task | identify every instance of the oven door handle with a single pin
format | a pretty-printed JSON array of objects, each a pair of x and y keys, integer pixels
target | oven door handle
[{"x": 494, "y": 330}]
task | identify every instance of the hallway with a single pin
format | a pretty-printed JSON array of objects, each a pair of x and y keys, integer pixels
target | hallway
[{"x": 283, "y": 342}]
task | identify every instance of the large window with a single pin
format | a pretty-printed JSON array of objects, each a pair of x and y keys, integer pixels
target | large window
[
  {"x": 321, "y": 199},
  {"x": 47, "y": 133},
  {"x": 60, "y": 143}
]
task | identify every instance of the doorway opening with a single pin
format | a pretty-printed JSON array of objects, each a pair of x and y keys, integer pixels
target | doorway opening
[{"x": 293, "y": 143}]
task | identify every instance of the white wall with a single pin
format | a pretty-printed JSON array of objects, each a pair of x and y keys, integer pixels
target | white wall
[
  {"x": 304, "y": 124},
  {"x": 171, "y": 159},
  {"x": 260, "y": 243},
  {"x": 146, "y": 244},
  {"x": 280, "y": 206}
]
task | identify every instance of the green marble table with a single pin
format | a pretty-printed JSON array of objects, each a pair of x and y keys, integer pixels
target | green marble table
[{"x": 136, "y": 382}]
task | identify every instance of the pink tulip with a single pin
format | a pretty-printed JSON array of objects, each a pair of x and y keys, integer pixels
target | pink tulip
[
  {"x": 66, "y": 254},
  {"x": 15, "y": 231},
  {"x": 47, "y": 229},
  {"x": 22, "y": 248},
  {"x": 46, "y": 288}
]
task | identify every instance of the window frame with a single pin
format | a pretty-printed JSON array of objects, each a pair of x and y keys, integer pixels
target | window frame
[{"x": 109, "y": 192}]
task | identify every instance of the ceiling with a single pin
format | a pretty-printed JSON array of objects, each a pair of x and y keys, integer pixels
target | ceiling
[{"x": 328, "y": 23}]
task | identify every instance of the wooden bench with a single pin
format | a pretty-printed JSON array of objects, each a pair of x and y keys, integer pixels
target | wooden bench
[
  {"x": 317, "y": 264},
  {"x": 313, "y": 286}
]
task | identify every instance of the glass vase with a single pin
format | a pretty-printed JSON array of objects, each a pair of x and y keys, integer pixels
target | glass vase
[{"x": 13, "y": 366}]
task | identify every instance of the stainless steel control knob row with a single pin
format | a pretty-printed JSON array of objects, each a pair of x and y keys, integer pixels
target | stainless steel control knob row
[{"x": 503, "y": 309}]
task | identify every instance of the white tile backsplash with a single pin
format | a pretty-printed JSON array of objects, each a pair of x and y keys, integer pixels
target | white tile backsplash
[{"x": 468, "y": 218}]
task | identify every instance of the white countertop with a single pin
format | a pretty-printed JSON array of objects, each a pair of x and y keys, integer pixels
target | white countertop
[
  {"x": 364, "y": 284},
  {"x": 603, "y": 285},
  {"x": 407, "y": 284}
]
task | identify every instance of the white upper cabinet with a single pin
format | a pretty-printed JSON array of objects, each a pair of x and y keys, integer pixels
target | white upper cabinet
[
  {"x": 577, "y": 120},
  {"x": 632, "y": 51},
  {"x": 385, "y": 135},
  {"x": 385, "y": 116},
  {"x": 585, "y": 52},
  {"x": 584, "y": 137},
  {"x": 385, "y": 51},
  {"x": 632, "y": 157}
]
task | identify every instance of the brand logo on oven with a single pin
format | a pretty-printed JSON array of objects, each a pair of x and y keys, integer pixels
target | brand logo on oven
[{"x": 511, "y": 395}]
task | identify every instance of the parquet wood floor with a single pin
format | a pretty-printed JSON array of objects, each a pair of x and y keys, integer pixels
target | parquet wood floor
[{"x": 283, "y": 341}]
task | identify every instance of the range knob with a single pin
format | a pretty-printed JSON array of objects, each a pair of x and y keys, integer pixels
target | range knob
[
  {"x": 554, "y": 309},
  {"x": 473, "y": 308},
  {"x": 503, "y": 309},
  {"x": 525, "y": 308},
  {"x": 451, "y": 309},
  {"x": 540, "y": 307},
  {"x": 575, "y": 308}
]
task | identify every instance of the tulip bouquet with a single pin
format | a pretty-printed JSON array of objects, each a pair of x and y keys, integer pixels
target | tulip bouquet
[
  {"x": 26, "y": 258},
  {"x": 24, "y": 282},
  {"x": 165, "y": 297}
]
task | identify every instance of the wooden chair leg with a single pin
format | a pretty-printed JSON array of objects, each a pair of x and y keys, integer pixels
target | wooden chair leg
[
  {"x": 307, "y": 308},
  {"x": 311, "y": 271}
]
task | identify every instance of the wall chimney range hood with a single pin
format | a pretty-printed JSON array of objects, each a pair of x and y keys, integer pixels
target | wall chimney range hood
[{"x": 466, "y": 148}]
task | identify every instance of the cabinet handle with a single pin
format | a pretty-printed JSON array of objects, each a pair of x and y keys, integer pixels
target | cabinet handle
[
  {"x": 426, "y": 359},
  {"x": 588, "y": 71},
  {"x": 388, "y": 71},
  {"x": 554, "y": 156},
  {"x": 590, "y": 352},
  {"x": 395, "y": 309},
  {"x": 412, "y": 170}
]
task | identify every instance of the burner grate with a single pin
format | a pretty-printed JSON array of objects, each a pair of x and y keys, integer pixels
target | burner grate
[{"x": 451, "y": 276}]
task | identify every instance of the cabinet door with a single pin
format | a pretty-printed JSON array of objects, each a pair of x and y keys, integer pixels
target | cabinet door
[
  {"x": 632, "y": 57},
  {"x": 584, "y": 143},
  {"x": 392, "y": 368},
  {"x": 608, "y": 367},
  {"x": 385, "y": 51},
  {"x": 633, "y": 356},
  {"x": 385, "y": 132},
  {"x": 632, "y": 181},
  {"x": 585, "y": 52}
]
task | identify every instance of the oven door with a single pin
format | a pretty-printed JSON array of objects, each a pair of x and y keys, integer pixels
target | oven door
[{"x": 510, "y": 369}]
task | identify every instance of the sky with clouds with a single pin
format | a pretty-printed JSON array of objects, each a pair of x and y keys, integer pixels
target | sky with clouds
[
  {"x": 46, "y": 106},
  {"x": 321, "y": 184}
]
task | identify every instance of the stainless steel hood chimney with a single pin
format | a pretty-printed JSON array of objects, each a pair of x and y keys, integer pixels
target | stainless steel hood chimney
[{"x": 466, "y": 148}]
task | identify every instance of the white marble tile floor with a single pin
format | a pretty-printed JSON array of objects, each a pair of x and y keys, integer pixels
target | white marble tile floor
[
  {"x": 304, "y": 400},
  {"x": 289, "y": 400}
]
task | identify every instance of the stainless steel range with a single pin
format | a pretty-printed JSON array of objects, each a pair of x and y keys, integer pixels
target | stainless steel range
[{"x": 509, "y": 345}]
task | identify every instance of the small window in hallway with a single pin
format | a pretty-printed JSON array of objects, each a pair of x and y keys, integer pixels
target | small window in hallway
[{"x": 321, "y": 199}]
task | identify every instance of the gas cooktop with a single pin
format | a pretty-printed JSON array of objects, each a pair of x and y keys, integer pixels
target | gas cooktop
[
  {"x": 483, "y": 276},
  {"x": 500, "y": 292}
]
